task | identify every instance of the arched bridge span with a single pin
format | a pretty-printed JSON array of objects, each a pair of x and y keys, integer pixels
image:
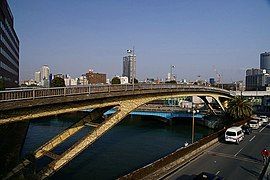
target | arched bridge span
[
  {"x": 125, "y": 98},
  {"x": 28, "y": 104}
]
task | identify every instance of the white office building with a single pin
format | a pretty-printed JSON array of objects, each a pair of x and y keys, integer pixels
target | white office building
[
  {"x": 74, "y": 81},
  {"x": 37, "y": 76},
  {"x": 83, "y": 80},
  {"x": 123, "y": 80},
  {"x": 45, "y": 72},
  {"x": 45, "y": 76}
]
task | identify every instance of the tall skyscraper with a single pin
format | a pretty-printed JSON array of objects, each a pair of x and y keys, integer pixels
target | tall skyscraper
[
  {"x": 129, "y": 65},
  {"x": 265, "y": 61},
  {"x": 9, "y": 47}
]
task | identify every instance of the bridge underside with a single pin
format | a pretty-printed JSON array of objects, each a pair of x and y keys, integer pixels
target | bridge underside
[
  {"x": 124, "y": 106},
  {"x": 54, "y": 106}
]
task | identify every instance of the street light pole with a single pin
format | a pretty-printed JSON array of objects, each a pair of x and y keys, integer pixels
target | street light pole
[
  {"x": 193, "y": 121},
  {"x": 133, "y": 68}
]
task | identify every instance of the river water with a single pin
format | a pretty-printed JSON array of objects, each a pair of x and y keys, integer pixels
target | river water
[{"x": 133, "y": 143}]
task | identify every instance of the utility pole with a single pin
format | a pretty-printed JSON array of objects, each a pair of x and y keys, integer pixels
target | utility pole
[
  {"x": 133, "y": 67},
  {"x": 194, "y": 110},
  {"x": 193, "y": 122}
]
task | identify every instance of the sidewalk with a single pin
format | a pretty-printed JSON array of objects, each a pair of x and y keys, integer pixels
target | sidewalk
[{"x": 267, "y": 173}]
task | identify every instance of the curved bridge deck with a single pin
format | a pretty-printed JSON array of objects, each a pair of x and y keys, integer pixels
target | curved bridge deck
[
  {"x": 28, "y": 104},
  {"x": 34, "y": 103}
]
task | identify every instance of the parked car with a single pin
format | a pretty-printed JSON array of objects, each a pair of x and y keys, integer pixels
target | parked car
[
  {"x": 255, "y": 116},
  {"x": 234, "y": 134},
  {"x": 264, "y": 119},
  {"x": 246, "y": 129},
  {"x": 254, "y": 124},
  {"x": 208, "y": 176},
  {"x": 260, "y": 122}
]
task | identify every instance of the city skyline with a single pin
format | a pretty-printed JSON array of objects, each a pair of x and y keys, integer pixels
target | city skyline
[{"x": 194, "y": 36}]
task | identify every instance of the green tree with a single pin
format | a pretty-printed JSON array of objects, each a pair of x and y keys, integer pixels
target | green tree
[
  {"x": 136, "y": 81},
  {"x": 2, "y": 84},
  {"x": 116, "y": 80},
  {"x": 171, "y": 82},
  {"x": 32, "y": 85},
  {"x": 58, "y": 82},
  {"x": 239, "y": 108}
]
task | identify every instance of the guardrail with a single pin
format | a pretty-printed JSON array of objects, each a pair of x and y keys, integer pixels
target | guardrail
[
  {"x": 173, "y": 161},
  {"x": 14, "y": 95}
]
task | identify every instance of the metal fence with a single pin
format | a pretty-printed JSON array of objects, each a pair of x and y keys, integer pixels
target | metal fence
[{"x": 22, "y": 94}]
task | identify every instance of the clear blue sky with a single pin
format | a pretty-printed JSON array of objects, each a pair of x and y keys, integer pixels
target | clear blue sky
[{"x": 72, "y": 36}]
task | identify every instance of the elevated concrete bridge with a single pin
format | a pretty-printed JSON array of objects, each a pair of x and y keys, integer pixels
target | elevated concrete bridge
[
  {"x": 251, "y": 93},
  {"x": 34, "y": 103}
]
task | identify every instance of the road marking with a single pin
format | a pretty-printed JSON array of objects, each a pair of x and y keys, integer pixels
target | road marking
[
  {"x": 217, "y": 172},
  {"x": 265, "y": 134},
  {"x": 239, "y": 151},
  {"x": 252, "y": 138},
  {"x": 263, "y": 128},
  {"x": 233, "y": 157}
]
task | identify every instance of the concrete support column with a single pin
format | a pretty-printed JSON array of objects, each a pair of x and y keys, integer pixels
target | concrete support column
[
  {"x": 124, "y": 109},
  {"x": 96, "y": 113},
  {"x": 207, "y": 103},
  {"x": 219, "y": 103}
]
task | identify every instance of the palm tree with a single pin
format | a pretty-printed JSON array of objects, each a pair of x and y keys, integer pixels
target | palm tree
[{"x": 239, "y": 108}]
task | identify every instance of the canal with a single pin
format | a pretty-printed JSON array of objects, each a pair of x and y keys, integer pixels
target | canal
[{"x": 133, "y": 143}]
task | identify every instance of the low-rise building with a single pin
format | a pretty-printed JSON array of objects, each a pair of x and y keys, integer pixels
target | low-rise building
[
  {"x": 82, "y": 80},
  {"x": 74, "y": 81},
  {"x": 59, "y": 75},
  {"x": 95, "y": 78},
  {"x": 123, "y": 80},
  {"x": 67, "y": 80}
]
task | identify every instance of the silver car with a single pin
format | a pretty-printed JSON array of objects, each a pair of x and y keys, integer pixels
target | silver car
[
  {"x": 264, "y": 119},
  {"x": 254, "y": 124}
]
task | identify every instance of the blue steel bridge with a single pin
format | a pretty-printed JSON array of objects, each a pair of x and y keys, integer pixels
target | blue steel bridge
[{"x": 167, "y": 116}]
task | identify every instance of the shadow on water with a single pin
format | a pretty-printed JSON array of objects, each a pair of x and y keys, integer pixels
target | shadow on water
[
  {"x": 134, "y": 142},
  {"x": 12, "y": 136}
]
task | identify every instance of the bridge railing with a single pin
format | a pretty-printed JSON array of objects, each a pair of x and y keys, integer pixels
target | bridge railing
[{"x": 22, "y": 94}]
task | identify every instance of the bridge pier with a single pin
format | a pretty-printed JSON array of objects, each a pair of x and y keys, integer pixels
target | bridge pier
[{"x": 11, "y": 143}]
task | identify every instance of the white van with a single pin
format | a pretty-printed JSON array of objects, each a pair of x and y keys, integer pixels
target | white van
[
  {"x": 254, "y": 124},
  {"x": 234, "y": 134},
  {"x": 264, "y": 119}
]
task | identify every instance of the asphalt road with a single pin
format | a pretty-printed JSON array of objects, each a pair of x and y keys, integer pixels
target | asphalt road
[{"x": 230, "y": 161}]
